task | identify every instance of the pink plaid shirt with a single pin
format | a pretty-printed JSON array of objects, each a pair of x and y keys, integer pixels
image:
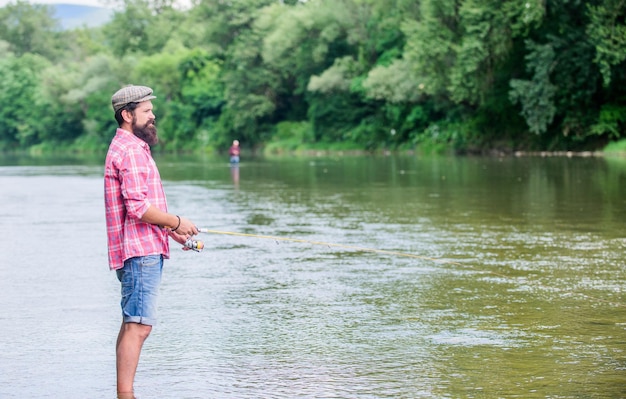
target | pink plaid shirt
[{"x": 131, "y": 184}]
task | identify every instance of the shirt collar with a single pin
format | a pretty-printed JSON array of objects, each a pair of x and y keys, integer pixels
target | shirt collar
[{"x": 131, "y": 136}]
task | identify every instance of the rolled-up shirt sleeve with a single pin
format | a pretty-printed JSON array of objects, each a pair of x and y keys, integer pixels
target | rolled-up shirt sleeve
[{"x": 135, "y": 175}]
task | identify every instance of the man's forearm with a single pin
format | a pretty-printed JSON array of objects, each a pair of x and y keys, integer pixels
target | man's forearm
[{"x": 156, "y": 216}]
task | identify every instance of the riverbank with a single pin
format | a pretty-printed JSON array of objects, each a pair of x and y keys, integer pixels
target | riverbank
[
  {"x": 570, "y": 154},
  {"x": 614, "y": 149}
]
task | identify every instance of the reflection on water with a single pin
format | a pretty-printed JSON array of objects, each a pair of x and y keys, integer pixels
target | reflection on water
[
  {"x": 528, "y": 302},
  {"x": 234, "y": 173}
]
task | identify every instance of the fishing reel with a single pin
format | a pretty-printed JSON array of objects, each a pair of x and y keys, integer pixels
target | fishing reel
[{"x": 195, "y": 245}]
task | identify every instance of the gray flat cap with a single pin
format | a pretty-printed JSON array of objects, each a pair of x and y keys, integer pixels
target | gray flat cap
[{"x": 131, "y": 94}]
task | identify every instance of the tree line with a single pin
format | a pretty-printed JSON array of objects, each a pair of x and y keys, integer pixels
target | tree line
[{"x": 437, "y": 75}]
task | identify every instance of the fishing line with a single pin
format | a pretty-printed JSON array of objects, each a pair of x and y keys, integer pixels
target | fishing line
[
  {"x": 198, "y": 246},
  {"x": 329, "y": 244}
]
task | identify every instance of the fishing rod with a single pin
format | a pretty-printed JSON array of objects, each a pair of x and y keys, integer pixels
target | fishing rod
[{"x": 198, "y": 245}]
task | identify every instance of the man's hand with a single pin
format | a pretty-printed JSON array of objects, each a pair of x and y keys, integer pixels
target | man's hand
[
  {"x": 179, "y": 238},
  {"x": 186, "y": 228}
]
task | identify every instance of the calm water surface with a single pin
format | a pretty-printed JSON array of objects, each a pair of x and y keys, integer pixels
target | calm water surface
[{"x": 516, "y": 288}]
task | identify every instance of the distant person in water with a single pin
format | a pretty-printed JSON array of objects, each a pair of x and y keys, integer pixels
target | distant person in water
[{"x": 234, "y": 152}]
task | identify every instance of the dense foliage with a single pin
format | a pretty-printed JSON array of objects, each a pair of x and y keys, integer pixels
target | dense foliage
[{"x": 468, "y": 75}]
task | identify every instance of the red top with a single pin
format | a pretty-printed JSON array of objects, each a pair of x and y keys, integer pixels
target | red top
[{"x": 131, "y": 184}]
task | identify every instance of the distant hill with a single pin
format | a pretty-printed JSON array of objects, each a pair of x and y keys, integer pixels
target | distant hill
[{"x": 75, "y": 16}]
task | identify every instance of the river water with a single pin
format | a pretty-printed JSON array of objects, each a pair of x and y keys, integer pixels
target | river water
[{"x": 504, "y": 278}]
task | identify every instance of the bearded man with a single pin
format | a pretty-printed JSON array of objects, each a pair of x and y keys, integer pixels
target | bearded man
[{"x": 138, "y": 225}]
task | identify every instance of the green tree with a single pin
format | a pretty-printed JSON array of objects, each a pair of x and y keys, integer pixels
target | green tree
[
  {"x": 536, "y": 95},
  {"x": 201, "y": 85},
  {"x": 20, "y": 100},
  {"x": 251, "y": 89},
  {"x": 30, "y": 28},
  {"x": 607, "y": 32},
  {"x": 223, "y": 23},
  {"x": 89, "y": 90},
  {"x": 467, "y": 74},
  {"x": 189, "y": 91},
  {"x": 127, "y": 33},
  {"x": 561, "y": 95}
]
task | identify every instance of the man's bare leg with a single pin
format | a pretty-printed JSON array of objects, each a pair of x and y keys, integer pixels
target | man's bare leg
[{"x": 128, "y": 348}]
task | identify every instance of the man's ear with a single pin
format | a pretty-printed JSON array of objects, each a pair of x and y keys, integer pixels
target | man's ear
[{"x": 127, "y": 115}]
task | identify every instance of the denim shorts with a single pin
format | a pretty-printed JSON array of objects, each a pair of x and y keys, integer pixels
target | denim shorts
[{"x": 140, "y": 278}]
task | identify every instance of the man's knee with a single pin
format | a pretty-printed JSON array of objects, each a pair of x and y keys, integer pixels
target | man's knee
[{"x": 141, "y": 331}]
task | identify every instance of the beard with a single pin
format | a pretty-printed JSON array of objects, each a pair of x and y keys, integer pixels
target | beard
[{"x": 147, "y": 132}]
